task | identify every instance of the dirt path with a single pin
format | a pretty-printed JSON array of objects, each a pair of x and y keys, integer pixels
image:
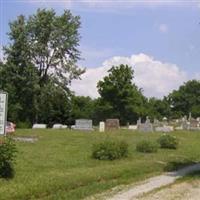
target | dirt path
[
  {"x": 153, "y": 183},
  {"x": 189, "y": 190}
]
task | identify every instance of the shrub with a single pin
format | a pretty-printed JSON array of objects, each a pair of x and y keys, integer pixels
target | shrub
[
  {"x": 110, "y": 150},
  {"x": 24, "y": 125},
  {"x": 147, "y": 146},
  {"x": 7, "y": 156},
  {"x": 168, "y": 141}
]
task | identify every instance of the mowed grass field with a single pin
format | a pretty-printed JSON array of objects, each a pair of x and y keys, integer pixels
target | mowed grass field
[{"x": 59, "y": 165}]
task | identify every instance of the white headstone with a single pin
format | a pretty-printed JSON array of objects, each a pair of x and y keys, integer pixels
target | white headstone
[
  {"x": 40, "y": 126},
  {"x": 64, "y": 126},
  {"x": 3, "y": 112},
  {"x": 57, "y": 126},
  {"x": 101, "y": 126},
  {"x": 132, "y": 127}
]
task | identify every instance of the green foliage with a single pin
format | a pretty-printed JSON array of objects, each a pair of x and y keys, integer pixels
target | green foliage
[
  {"x": 47, "y": 41},
  {"x": 158, "y": 108},
  {"x": 186, "y": 99},
  {"x": 24, "y": 125},
  {"x": 110, "y": 150},
  {"x": 7, "y": 157},
  {"x": 21, "y": 83},
  {"x": 146, "y": 146},
  {"x": 53, "y": 105},
  {"x": 121, "y": 95},
  {"x": 81, "y": 107},
  {"x": 168, "y": 141},
  {"x": 41, "y": 56}
]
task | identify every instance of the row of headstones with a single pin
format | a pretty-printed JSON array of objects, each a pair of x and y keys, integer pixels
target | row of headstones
[
  {"x": 155, "y": 126},
  {"x": 165, "y": 126},
  {"x": 147, "y": 126},
  {"x": 109, "y": 124},
  {"x": 188, "y": 123},
  {"x": 84, "y": 124}
]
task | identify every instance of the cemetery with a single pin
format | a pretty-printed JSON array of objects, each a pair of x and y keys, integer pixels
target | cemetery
[
  {"x": 63, "y": 160},
  {"x": 112, "y": 116}
]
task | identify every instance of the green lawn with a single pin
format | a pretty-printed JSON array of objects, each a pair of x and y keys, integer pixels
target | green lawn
[{"x": 59, "y": 165}]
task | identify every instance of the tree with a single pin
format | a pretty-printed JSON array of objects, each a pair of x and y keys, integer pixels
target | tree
[
  {"x": 49, "y": 42},
  {"x": 158, "y": 108},
  {"x": 120, "y": 93},
  {"x": 186, "y": 99},
  {"x": 22, "y": 87},
  {"x": 81, "y": 107},
  {"x": 41, "y": 56},
  {"x": 53, "y": 105}
]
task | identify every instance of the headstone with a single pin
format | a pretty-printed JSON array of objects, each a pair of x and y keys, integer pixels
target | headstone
[
  {"x": 164, "y": 129},
  {"x": 164, "y": 122},
  {"x": 178, "y": 128},
  {"x": 185, "y": 125},
  {"x": 3, "y": 112},
  {"x": 101, "y": 126},
  {"x": 39, "y": 126},
  {"x": 139, "y": 122},
  {"x": 57, "y": 126},
  {"x": 112, "y": 124},
  {"x": 156, "y": 123},
  {"x": 132, "y": 127},
  {"x": 64, "y": 126},
  {"x": 146, "y": 127},
  {"x": 194, "y": 124},
  {"x": 25, "y": 139},
  {"x": 83, "y": 124}
]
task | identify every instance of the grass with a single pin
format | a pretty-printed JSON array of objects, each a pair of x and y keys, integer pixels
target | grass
[{"x": 59, "y": 165}]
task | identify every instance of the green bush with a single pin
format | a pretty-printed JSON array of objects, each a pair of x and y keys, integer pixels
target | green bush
[
  {"x": 7, "y": 156},
  {"x": 147, "y": 146},
  {"x": 110, "y": 150},
  {"x": 24, "y": 125},
  {"x": 168, "y": 141}
]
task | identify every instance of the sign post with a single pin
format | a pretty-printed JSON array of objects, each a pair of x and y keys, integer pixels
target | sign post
[{"x": 3, "y": 112}]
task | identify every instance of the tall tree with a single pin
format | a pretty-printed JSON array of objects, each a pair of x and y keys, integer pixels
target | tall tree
[
  {"x": 42, "y": 54},
  {"x": 119, "y": 92},
  {"x": 50, "y": 43},
  {"x": 186, "y": 99}
]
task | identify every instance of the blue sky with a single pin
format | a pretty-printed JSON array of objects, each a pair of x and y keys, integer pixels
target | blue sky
[{"x": 168, "y": 31}]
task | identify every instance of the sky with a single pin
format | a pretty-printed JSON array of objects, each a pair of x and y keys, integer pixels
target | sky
[{"x": 159, "y": 39}]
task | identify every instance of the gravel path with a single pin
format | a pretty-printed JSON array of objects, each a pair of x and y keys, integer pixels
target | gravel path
[
  {"x": 154, "y": 183},
  {"x": 189, "y": 190}
]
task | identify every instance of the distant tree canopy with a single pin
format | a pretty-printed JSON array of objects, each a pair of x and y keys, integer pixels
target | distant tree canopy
[
  {"x": 186, "y": 99},
  {"x": 121, "y": 96}
]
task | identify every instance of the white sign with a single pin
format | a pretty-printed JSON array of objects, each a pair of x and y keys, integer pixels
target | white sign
[{"x": 3, "y": 112}]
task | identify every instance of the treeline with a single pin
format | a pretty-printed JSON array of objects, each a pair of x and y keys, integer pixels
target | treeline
[{"x": 40, "y": 63}]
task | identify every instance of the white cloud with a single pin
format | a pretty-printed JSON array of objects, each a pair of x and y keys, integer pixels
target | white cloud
[
  {"x": 163, "y": 28},
  {"x": 155, "y": 77}
]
